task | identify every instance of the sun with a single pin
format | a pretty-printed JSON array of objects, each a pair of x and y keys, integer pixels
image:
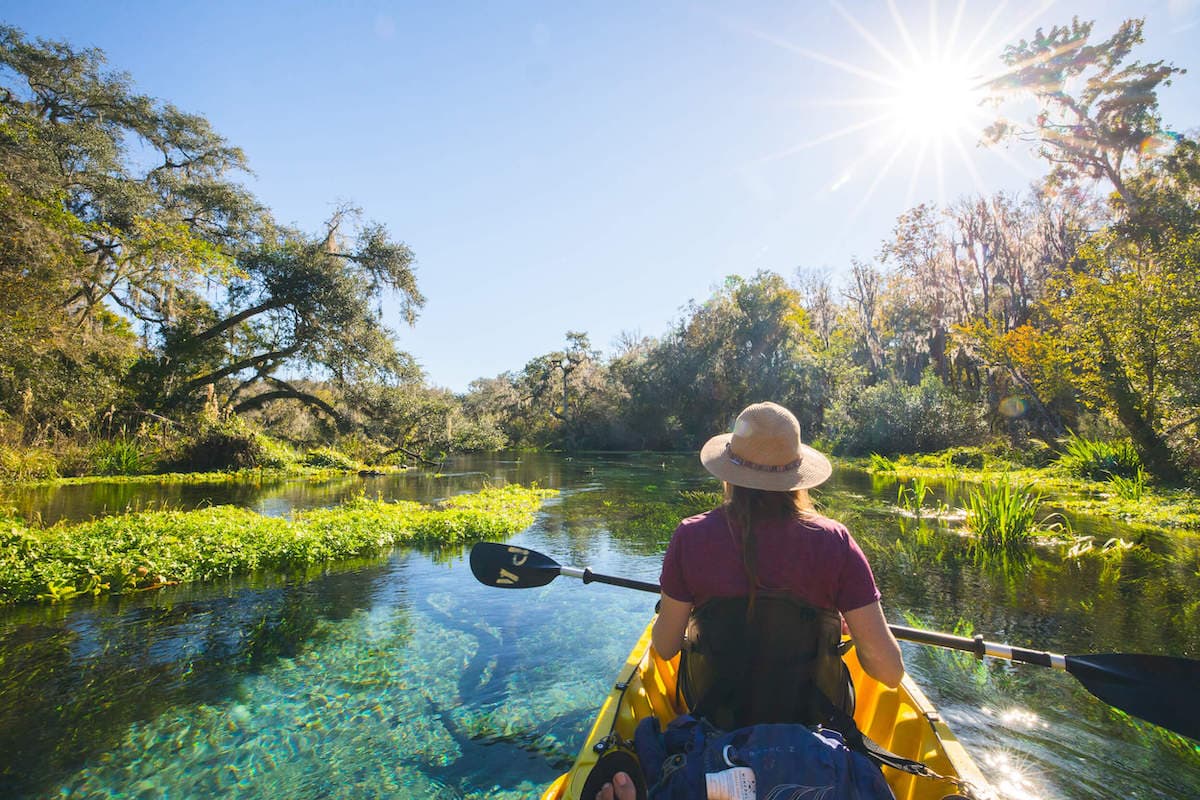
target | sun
[
  {"x": 936, "y": 101},
  {"x": 923, "y": 106}
]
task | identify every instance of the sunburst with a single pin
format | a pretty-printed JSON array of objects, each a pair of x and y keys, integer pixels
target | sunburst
[{"x": 926, "y": 106}]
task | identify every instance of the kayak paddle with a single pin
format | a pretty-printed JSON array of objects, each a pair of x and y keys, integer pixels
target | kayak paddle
[{"x": 1164, "y": 690}]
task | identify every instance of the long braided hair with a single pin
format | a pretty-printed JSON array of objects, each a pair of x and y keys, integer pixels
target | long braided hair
[{"x": 745, "y": 508}]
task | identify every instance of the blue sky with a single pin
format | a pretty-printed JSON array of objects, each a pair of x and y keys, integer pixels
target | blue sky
[{"x": 588, "y": 166}]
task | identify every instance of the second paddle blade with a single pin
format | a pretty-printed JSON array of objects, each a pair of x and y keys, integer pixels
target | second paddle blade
[
  {"x": 1164, "y": 690},
  {"x": 511, "y": 567}
]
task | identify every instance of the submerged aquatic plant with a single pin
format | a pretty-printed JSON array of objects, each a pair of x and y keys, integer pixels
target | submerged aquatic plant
[{"x": 1004, "y": 515}]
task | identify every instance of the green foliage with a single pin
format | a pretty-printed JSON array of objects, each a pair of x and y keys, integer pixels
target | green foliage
[
  {"x": 117, "y": 457},
  {"x": 225, "y": 444},
  {"x": 1095, "y": 112},
  {"x": 1099, "y": 460},
  {"x": 893, "y": 417},
  {"x": 1130, "y": 489},
  {"x": 966, "y": 457},
  {"x": 326, "y": 458},
  {"x": 881, "y": 464},
  {"x": 1003, "y": 515},
  {"x": 912, "y": 498},
  {"x": 154, "y": 548},
  {"x": 27, "y": 464}
]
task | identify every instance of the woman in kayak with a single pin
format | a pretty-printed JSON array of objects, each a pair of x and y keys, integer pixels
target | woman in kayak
[
  {"x": 766, "y": 542},
  {"x": 766, "y": 537}
]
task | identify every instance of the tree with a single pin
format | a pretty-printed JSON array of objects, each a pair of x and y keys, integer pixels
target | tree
[
  {"x": 1125, "y": 304},
  {"x": 1098, "y": 131},
  {"x": 134, "y": 211}
]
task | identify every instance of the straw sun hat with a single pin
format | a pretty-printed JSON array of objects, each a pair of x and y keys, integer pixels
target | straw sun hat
[{"x": 765, "y": 452}]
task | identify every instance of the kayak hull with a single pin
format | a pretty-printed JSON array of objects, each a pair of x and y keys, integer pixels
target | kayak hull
[{"x": 901, "y": 719}]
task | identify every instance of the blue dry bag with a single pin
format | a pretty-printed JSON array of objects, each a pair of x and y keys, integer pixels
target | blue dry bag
[{"x": 789, "y": 761}]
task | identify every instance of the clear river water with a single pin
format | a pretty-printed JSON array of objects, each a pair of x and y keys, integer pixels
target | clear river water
[{"x": 402, "y": 677}]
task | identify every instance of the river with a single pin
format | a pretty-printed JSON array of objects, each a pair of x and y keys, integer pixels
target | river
[{"x": 403, "y": 677}]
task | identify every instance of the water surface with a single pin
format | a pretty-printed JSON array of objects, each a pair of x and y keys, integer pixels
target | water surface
[{"x": 403, "y": 677}]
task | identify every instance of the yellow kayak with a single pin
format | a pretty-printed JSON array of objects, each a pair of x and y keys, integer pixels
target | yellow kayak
[{"x": 902, "y": 720}]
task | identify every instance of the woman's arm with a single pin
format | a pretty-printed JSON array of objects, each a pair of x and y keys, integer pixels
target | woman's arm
[
  {"x": 878, "y": 651},
  {"x": 670, "y": 626}
]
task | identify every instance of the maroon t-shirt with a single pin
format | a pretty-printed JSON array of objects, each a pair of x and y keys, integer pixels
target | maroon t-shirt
[{"x": 814, "y": 559}]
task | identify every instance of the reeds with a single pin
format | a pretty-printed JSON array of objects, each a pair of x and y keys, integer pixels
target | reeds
[
  {"x": 1099, "y": 460},
  {"x": 1004, "y": 515}
]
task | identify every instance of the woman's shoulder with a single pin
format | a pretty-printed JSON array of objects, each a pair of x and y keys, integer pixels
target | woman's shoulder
[
  {"x": 826, "y": 525},
  {"x": 703, "y": 522}
]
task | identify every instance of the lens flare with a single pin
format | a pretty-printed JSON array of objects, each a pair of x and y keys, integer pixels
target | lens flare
[{"x": 1013, "y": 407}]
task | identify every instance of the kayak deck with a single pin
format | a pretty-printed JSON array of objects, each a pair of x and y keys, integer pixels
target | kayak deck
[{"x": 901, "y": 719}]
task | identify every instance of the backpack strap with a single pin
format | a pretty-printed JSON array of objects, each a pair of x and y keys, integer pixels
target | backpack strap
[{"x": 844, "y": 724}]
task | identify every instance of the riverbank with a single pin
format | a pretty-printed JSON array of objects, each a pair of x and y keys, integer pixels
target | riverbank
[
  {"x": 150, "y": 549},
  {"x": 1131, "y": 500}
]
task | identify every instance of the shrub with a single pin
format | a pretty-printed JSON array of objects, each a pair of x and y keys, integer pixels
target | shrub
[
  {"x": 893, "y": 417},
  {"x": 225, "y": 444},
  {"x": 1099, "y": 460},
  {"x": 27, "y": 464},
  {"x": 326, "y": 458},
  {"x": 967, "y": 458},
  {"x": 881, "y": 464},
  {"x": 117, "y": 457}
]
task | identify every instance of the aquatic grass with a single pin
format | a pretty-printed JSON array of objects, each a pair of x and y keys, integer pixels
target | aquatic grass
[
  {"x": 1098, "y": 460},
  {"x": 1003, "y": 515},
  {"x": 155, "y": 548},
  {"x": 1129, "y": 489},
  {"x": 912, "y": 498},
  {"x": 880, "y": 463}
]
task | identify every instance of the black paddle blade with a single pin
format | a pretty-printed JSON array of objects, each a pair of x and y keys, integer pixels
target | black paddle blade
[
  {"x": 1164, "y": 690},
  {"x": 511, "y": 567}
]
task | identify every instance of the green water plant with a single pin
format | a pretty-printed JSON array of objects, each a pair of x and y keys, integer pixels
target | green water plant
[
  {"x": 1130, "y": 489},
  {"x": 881, "y": 464},
  {"x": 1098, "y": 460},
  {"x": 1003, "y": 515},
  {"x": 150, "y": 549},
  {"x": 911, "y": 498}
]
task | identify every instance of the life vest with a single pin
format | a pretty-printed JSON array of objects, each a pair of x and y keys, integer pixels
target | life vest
[{"x": 781, "y": 662}]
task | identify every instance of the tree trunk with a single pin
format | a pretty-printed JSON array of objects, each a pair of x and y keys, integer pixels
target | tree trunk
[{"x": 1151, "y": 447}]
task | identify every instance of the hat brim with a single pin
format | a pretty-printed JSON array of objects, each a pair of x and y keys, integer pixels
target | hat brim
[{"x": 813, "y": 470}]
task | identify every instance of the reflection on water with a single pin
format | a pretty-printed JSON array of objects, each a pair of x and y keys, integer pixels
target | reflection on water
[{"x": 403, "y": 677}]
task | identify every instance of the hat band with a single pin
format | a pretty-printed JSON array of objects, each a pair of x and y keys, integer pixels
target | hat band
[{"x": 741, "y": 462}]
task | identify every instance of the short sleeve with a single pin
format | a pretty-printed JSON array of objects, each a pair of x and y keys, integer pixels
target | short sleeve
[
  {"x": 672, "y": 580},
  {"x": 856, "y": 583}
]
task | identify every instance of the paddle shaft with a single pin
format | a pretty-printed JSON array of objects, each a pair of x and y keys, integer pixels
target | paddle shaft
[
  {"x": 976, "y": 645},
  {"x": 587, "y": 576},
  {"x": 1158, "y": 689}
]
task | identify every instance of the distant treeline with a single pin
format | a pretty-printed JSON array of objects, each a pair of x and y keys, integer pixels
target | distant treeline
[
  {"x": 1072, "y": 308},
  {"x": 146, "y": 295}
]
